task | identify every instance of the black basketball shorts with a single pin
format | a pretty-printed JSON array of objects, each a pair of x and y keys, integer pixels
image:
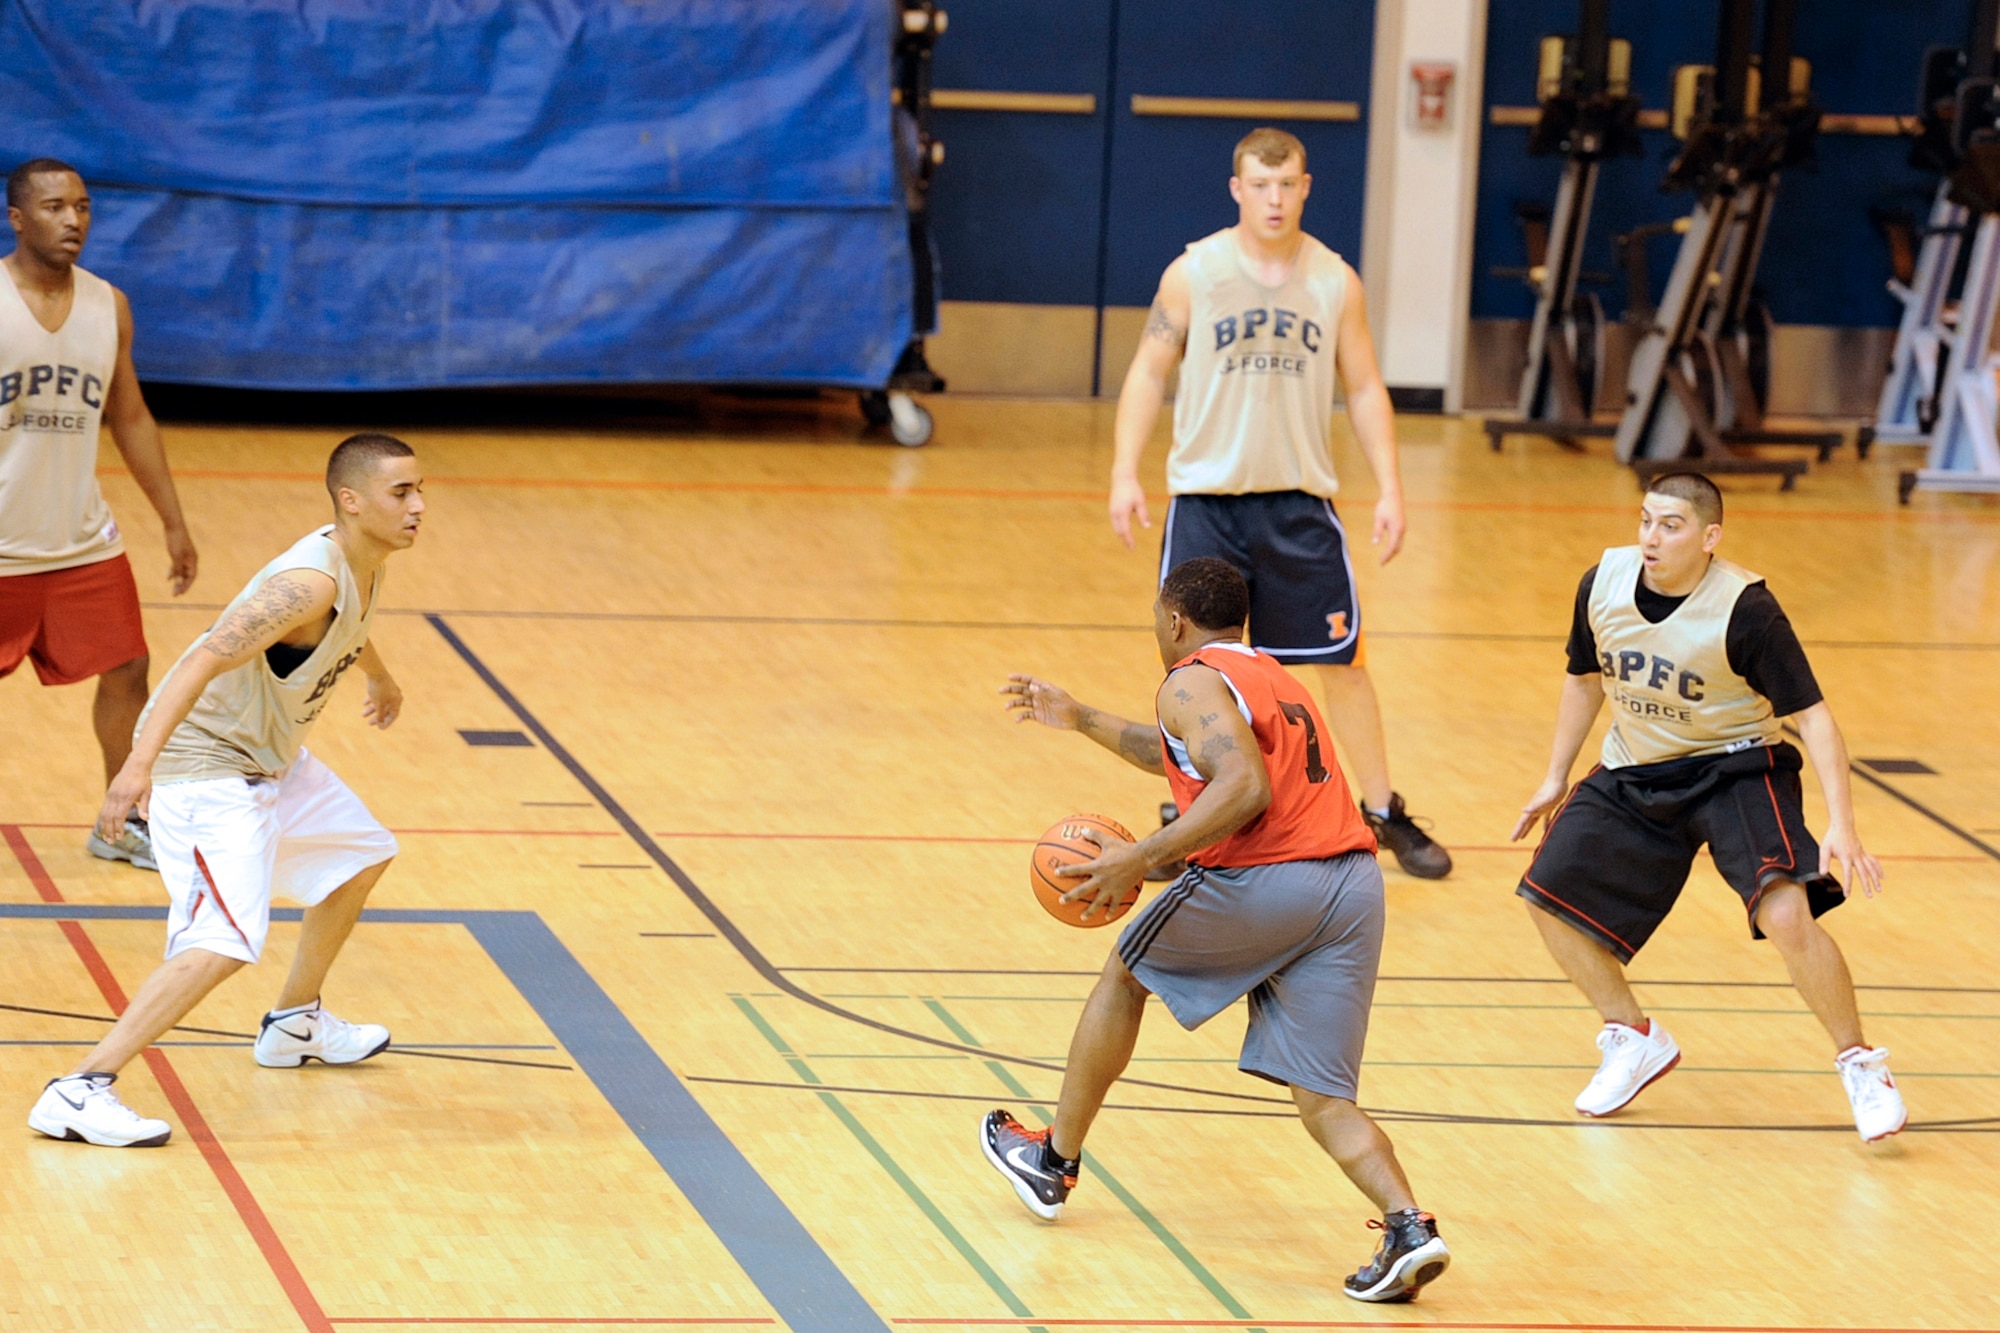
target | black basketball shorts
[
  {"x": 1618, "y": 851},
  {"x": 1292, "y": 551}
]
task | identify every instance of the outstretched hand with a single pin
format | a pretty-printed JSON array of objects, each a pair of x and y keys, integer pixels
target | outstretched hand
[
  {"x": 1050, "y": 705},
  {"x": 1539, "y": 806},
  {"x": 1861, "y": 869},
  {"x": 384, "y": 704}
]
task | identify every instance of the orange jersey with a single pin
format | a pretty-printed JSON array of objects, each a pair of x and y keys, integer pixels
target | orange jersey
[{"x": 1311, "y": 816}]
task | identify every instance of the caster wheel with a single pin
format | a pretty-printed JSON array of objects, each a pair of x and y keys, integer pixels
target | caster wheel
[{"x": 910, "y": 422}]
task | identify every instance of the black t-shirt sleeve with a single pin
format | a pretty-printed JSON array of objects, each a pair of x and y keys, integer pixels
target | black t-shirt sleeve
[
  {"x": 1764, "y": 650},
  {"x": 1582, "y": 642}
]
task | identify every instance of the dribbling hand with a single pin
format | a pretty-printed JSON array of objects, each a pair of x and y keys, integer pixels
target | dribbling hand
[
  {"x": 1037, "y": 700},
  {"x": 1107, "y": 880}
]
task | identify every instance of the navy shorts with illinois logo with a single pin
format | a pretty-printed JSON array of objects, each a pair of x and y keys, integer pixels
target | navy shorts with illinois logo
[
  {"x": 1292, "y": 551},
  {"x": 1619, "y": 850}
]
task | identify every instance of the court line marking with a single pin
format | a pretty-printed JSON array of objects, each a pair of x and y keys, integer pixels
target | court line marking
[
  {"x": 1056, "y": 626},
  {"x": 767, "y": 1241},
  {"x": 251, "y": 1213},
  {"x": 925, "y": 1204},
  {"x": 1589, "y": 1326},
  {"x": 729, "y": 930},
  {"x": 1174, "y": 1245},
  {"x": 726, "y": 835},
  {"x": 888, "y": 490},
  {"x": 1911, "y": 801},
  {"x": 754, "y": 956},
  {"x": 1962, "y": 1125}
]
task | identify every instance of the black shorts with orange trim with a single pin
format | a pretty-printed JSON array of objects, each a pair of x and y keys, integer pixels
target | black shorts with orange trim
[{"x": 1618, "y": 851}]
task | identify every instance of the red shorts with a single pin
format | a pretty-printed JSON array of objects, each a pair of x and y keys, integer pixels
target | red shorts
[{"x": 72, "y": 623}]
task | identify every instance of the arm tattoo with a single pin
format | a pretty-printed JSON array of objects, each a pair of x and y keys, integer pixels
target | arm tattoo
[
  {"x": 1208, "y": 720},
  {"x": 1184, "y": 696},
  {"x": 280, "y": 600},
  {"x": 1159, "y": 324},
  {"x": 1141, "y": 745},
  {"x": 1212, "y": 751}
]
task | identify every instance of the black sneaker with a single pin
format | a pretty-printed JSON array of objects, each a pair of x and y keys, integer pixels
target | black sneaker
[
  {"x": 1416, "y": 851},
  {"x": 1021, "y": 1155},
  {"x": 1411, "y": 1257},
  {"x": 1172, "y": 870}
]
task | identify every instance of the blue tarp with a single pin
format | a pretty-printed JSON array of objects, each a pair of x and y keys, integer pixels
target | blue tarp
[{"x": 367, "y": 194}]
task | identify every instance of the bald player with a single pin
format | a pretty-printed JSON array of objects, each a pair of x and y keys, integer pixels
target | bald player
[
  {"x": 1261, "y": 319},
  {"x": 68, "y": 602},
  {"x": 240, "y": 808}
]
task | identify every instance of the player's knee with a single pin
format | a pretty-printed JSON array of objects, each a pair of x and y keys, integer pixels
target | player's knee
[
  {"x": 1118, "y": 978},
  {"x": 1784, "y": 915},
  {"x": 127, "y": 677}
]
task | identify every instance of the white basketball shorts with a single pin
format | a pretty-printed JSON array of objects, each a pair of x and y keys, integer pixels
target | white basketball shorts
[{"x": 224, "y": 845}]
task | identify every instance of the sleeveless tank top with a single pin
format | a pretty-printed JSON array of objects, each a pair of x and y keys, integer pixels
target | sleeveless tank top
[
  {"x": 1673, "y": 693},
  {"x": 1254, "y": 409},
  {"x": 248, "y": 722},
  {"x": 1311, "y": 816},
  {"x": 52, "y": 391}
]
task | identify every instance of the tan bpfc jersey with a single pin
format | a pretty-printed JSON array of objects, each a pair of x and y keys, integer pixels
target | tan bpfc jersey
[
  {"x": 1673, "y": 693},
  {"x": 1255, "y": 404},
  {"x": 52, "y": 392},
  {"x": 250, "y": 722}
]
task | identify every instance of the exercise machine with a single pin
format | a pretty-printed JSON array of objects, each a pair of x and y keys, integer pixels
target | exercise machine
[
  {"x": 1965, "y": 442},
  {"x": 1588, "y": 114},
  {"x": 1908, "y": 408},
  {"x": 1691, "y": 395}
]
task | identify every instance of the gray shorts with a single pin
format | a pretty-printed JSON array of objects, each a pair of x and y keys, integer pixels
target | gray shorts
[{"x": 1302, "y": 939}]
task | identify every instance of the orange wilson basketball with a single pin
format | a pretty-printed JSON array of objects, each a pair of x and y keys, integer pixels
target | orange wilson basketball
[{"x": 1075, "y": 840}]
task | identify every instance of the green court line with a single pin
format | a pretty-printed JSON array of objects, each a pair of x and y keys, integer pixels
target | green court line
[
  {"x": 1098, "y": 1171},
  {"x": 889, "y": 1165}
]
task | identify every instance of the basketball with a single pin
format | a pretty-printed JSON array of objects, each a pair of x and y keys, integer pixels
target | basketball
[{"x": 1073, "y": 841}]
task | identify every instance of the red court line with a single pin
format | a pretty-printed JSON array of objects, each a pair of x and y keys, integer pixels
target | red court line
[
  {"x": 1575, "y": 1327},
  {"x": 567, "y": 1323},
  {"x": 177, "y": 1096},
  {"x": 888, "y": 492},
  {"x": 740, "y": 836},
  {"x": 1401, "y": 1323}
]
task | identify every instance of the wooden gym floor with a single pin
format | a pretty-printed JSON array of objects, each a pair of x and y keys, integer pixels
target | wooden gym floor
[{"x": 694, "y": 965}]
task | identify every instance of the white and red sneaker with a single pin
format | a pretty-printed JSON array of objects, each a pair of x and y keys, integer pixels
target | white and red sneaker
[
  {"x": 1871, "y": 1091},
  {"x": 1633, "y": 1060}
]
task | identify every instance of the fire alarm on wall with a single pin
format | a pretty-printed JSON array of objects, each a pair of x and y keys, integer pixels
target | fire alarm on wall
[{"x": 1430, "y": 93}]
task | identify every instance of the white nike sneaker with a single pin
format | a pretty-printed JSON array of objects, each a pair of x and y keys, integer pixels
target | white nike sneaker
[
  {"x": 1632, "y": 1060},
  {"x": 135, "y": 844},
  {"x": 286, "y": 1041},
  {"x": 1871, "y": 1090},
  {"x": 85, "y": 1109}
]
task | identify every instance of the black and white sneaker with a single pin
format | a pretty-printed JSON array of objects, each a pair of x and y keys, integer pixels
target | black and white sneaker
[
  {"x": 1416, "y": 851},
  {"x": 1411, "y": 1257},
  {"x": 1023, "y": 1156}
]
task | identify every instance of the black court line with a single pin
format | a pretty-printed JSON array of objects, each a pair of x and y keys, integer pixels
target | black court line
[
  {"x": 1910, "y": 801},
  {"x": 412, "y": 1052},
  {"x": 729, "y": 930},
  {"x": 1384, "y": 1115},
  {"x": 1053, "y": 626}
]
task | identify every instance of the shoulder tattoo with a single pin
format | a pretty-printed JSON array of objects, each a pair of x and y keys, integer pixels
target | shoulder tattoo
[
  {"x": 279, "y": 601},
  {"x": 1159, "y": 324}
]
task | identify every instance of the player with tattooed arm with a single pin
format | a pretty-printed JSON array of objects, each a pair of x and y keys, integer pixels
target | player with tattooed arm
[
  {"x": 1282, "y": 902},
  {"x": 239, "y": 808}
]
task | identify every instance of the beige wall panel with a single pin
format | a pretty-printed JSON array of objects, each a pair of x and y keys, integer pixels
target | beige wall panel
[{"x": 1001, "y": 347}]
